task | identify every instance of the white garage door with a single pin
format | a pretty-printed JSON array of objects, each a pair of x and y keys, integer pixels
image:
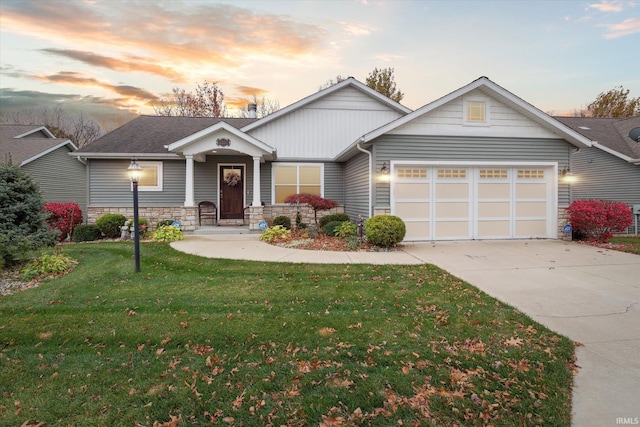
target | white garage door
[{"x": 474, "y": 202}]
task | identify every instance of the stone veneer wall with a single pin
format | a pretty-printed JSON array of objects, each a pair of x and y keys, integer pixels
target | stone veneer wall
[
  {"x": 270, "y": 212},
  {"x": 563, "y": 218},
  {"x": 188, "y": 216}
]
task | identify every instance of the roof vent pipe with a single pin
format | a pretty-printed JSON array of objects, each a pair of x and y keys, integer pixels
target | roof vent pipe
[{"x": 252, "y": 110}]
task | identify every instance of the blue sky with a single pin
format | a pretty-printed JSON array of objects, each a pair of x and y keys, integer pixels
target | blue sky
[{"x": 108, "y": 57}]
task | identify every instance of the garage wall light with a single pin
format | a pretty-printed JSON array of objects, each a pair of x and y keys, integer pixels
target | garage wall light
[{"x": 384, "y": 170}]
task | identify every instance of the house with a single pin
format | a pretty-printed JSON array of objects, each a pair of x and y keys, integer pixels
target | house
[
  {"x": 46, "y": 158},
  {"x": 610, "y": 168},
  {"x": 478, "y": 163}
]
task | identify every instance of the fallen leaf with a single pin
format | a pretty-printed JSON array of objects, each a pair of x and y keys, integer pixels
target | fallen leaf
[{"x": 513, "y": 342}]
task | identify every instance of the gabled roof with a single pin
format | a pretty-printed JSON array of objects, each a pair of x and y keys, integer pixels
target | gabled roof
[
  {"x": 151, "y": 134},
  {"x": 19, "y": 143},
  {"x": 351, "y": 82},
  {"x": 608, "y": 134},
  {"x": 492, "y": 89},
  {"x": 222, "y": 126}
]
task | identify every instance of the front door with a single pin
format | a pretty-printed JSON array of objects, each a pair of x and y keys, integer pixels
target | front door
[{"x": 231, "y": 191}]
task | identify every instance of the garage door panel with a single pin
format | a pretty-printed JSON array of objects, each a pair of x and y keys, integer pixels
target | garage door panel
[
  {"x": 417, "y": 230},
  {"x": 494, "y": 210},
  {"x": 531, "y": 190},
  {"x": 412, "y": 210},
  {"x": 534, "y": 228},
  {"x": 531, "y": 209},
  {"x": 494, "y": 229},
  {"x": 416, "y": 190},
  {"x": 452, "y": 229},
  {"x": 452, "y": 210},
  {"x": 452, "y": 190},
  {"x": 494, "y": 190}
]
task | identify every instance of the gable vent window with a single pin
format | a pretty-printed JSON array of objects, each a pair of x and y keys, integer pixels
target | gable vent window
[{"x": 476, "y": 112}]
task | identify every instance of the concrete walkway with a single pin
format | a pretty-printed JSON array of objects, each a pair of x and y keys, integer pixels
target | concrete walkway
[{"x": 589, "y": 294}]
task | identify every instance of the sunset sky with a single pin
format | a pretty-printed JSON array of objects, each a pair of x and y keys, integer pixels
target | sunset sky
[{"x": 108, "y": 57}]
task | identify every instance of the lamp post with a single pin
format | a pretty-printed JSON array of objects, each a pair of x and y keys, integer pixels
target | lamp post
[{"x": 135, "y": 173}]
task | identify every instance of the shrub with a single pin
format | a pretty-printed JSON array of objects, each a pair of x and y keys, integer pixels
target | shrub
[
  {"x": 168, "y": 233},
  {"x": 333, "y": 217},
  {"x": 47, "y": 265},
  {"x": 22, "y": 220},
  {"x": 164, "y": 223},
  {"x": 346, "y": 229},
  {"x": 330, "y": 228},
  {"x": 85, "y": 233},
  {"x": 274, "y": 234},
  {"x": 283, "y": 221},
  {"x": 143, "y": 226},
  {"x": 385, "y": 230},
  {"x": 599, "y": 219},
  {"x": 299, "y": 224},
  {"x": 63, "y": 217},
  {"x": 109, "y": 224},
  {"x": 353, "y": 243}
]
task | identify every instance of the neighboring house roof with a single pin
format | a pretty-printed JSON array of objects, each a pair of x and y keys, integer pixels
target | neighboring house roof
[
  {"x": 151, "y": 134},
  {"x": 351, "y": 82},
  {"x": 19, "y": 143},
  {"x": 608, "y": 134},
  {"x": 492, "y": 89}
]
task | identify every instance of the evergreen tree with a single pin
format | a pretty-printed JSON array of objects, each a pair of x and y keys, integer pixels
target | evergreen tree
[{"x": 22, "y": 219}]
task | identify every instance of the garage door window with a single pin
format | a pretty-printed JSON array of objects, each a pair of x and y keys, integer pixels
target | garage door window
[
  {"x": 452, "y": 173},
  {"x": 493, "y": 173},
  {"x": 530, "y": 174},
  {"x": 405, "y": 173}
]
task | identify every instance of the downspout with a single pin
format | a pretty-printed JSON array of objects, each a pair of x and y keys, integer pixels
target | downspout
[{"x": 361, "y": 140}]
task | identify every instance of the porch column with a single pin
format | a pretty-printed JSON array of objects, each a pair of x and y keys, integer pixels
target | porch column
[
  {"x": 188, "y": 191},
  {"x": 256, "y": 182}
]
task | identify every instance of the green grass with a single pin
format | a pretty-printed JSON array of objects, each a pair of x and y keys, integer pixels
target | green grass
[
  {"x": 248, "y": 343},
  {"x": 631, "y": 243}
]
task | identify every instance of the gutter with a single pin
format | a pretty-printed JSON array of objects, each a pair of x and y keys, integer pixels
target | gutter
[{"x": 360, "y": 141}]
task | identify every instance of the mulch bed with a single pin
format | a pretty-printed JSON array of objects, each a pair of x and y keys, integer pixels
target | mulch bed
[{"x": 322, "y": 242}]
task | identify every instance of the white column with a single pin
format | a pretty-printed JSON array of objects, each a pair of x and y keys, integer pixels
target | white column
[
  {"x": 256, "y": 182},
  {"x": 188, "y": 191}
]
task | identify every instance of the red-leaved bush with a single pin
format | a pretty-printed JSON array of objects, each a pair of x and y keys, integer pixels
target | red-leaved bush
[
  {"x": 64, "y": 217},
  {"x": 599, "y": 219},
  {"x": 316, "y": 202}
]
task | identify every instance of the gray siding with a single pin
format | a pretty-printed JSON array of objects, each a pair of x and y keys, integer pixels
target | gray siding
[
  {"x": 265, "y": 183},
  {"x": 109, "y": 184},
  {"x": 334, "y": 182},
  {"x": 435, "y": 148},
  {"x": 357, "y": 186},
  {"x": 62, "y": 178},
  {"x": 600, "y": 175},
  {"x": 206, "y": 177}
]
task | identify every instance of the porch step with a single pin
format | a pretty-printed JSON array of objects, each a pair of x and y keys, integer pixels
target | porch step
[{"x": 223, "y": 229}]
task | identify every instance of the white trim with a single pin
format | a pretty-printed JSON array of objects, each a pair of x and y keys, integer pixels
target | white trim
[
  {"x": 613, "y": 152},
  {"x": 465, "y": 111},
  {"x": 38, "y": 129},
  {"x": 160, "y": 173},
  {"x": 297, "y": 164},
  {"x": 49, "y": 150}
]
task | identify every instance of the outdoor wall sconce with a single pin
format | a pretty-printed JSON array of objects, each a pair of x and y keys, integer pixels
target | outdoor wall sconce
[
  {"x": 567, "y": 176},
  {"x": 384, "y": 170}
]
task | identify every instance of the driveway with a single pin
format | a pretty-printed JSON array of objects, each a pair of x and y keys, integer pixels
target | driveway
[{"x": 588, "y": 294}]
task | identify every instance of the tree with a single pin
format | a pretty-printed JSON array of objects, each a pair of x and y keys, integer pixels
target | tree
[
  {"x": 23, "y": 226},
  {"x": 80, "y": 129},
  {"x": 207, "y": 101},
  {"x": 332, "y": 82},
  {"x": 317, "y": 203},
  {"x": 383, "y": 81},
  {"x": 614, "y": 103},
  {"x": 264, "y": 106}
]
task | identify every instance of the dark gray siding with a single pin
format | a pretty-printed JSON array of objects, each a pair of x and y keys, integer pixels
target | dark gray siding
[
  {"x": 600, "y": 175},
  {"x": 265, "y": 183},
  {"x": 62, "y": 178},
  {"x": 442, "y": 148},
  {"x": 334, "y": 182},
  {"x": 357, "y": 186},
  {"x": 109, "y": 184}
]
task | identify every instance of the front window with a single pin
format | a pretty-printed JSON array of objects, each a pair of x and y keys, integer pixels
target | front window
[
  {"x": 291, "y": 179},
  {"x": 151, "y": 179}
]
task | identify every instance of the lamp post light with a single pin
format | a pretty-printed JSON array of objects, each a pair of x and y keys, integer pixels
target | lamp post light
[{"x": 135, "y": 173}]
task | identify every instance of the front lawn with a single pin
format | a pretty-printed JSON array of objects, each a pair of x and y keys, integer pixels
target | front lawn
[
  {"x": 629, "y": 244},
  {"x": 194, "y": 341}
]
